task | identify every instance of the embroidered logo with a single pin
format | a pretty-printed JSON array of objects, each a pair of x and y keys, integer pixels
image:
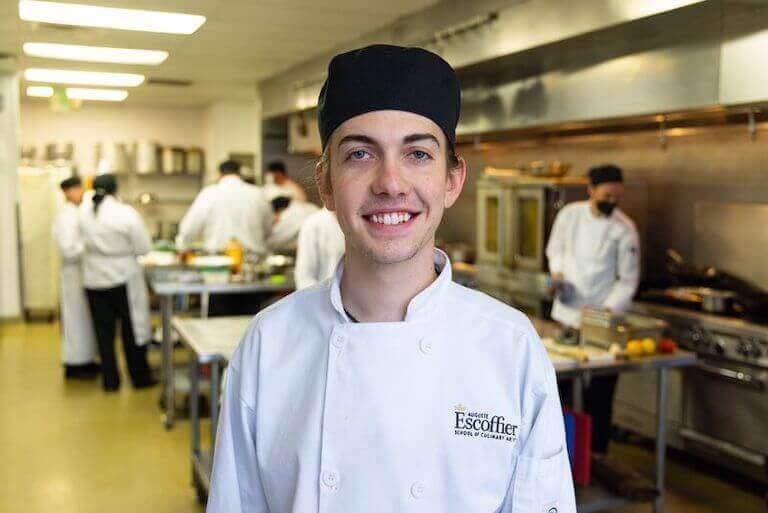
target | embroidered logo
[{"x": 483, "y": 425}]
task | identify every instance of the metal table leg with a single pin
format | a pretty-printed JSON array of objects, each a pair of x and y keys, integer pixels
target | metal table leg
[
  {"x": 205, "y": 301},
  {"x": 578, "y": 393},
  {"x": 194, "y": 414},
  {"x": 215, "y": 368},
  {"x": 166, "y": 313},
  {"x": 661, "y": 437}
]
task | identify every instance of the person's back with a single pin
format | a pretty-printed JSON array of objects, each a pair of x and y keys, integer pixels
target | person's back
[
  {"x": 319, "y": 248},
  {"x": 229, "y": 209},
  {"x": 285, "y": 231},
  {"x": 237, "y": 211}
]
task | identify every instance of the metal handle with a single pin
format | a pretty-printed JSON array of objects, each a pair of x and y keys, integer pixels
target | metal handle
[
  {"x": 723, "y": 446},
  {"x": 737, "y": 377}
]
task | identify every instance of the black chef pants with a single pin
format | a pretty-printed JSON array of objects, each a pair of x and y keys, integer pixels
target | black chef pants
[
  {"x": 107, "y": 307},
  {"x": 598, "y": 403}
]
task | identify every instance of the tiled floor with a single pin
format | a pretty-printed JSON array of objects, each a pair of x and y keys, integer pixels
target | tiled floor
[{"x": 70, "y": 448}]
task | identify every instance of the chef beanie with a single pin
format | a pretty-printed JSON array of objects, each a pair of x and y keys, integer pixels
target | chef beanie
[
  {"x": 605, "y": 174},
  {"x": 385, "y": 77}
]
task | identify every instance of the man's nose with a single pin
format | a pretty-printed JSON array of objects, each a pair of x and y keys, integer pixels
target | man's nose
[{"x": 390, "y": 179}]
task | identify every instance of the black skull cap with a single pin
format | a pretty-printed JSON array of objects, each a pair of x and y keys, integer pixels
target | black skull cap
[
  {"x": 605, "y": 174},
  {"x": 386, "y": 77}
]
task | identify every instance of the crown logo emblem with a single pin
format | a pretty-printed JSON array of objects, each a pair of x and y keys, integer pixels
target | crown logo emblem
[{"x": 460, "y": 407}]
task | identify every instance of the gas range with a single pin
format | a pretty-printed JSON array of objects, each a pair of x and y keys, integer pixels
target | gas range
[{"x": 717, "y": 336}]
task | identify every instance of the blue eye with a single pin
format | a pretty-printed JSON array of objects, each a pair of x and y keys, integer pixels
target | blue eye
[
  {"x": 420, "y": 155},
  {"x": 358, "y": 154}
]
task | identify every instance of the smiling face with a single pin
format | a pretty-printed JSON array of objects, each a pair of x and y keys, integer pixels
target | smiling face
[{"x": 389, "y": 183}]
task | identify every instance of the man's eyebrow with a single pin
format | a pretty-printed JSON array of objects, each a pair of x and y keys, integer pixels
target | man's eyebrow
[
  {"x": 420, "y": 137},
  {"x": 357, "y": 138}
]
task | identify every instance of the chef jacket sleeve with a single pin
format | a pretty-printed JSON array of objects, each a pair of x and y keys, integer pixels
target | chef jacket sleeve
[
  {"x": 191, "y": 226},
  {"x": 66, "y": 232},
  {"x": 628, "y": 273},
  {"x": 556, "y": 245},
  {"x": 140, "y": 238},
  {"x": 235, "y": 480},
  {"x": 542, "y": 479},
  {"x": 307, "y": 259}
]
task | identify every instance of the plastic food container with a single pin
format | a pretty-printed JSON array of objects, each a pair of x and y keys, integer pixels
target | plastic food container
[{"x": 213, "y": 269}]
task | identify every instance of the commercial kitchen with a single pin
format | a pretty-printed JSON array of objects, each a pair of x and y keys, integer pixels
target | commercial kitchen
[{"x": 615, "y": 196}]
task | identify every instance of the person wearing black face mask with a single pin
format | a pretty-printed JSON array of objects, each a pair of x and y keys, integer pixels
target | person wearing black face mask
[{"x": 594, "y": 256}]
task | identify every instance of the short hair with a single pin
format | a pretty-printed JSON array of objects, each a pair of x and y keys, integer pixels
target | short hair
[
  {"x": 276, "y": 165},
  {"x": 280, "y": 203},
  {"x": 609, "y": 173},
  {"x": 229, "y": 167},
  {"x": 72, "y": 181}
]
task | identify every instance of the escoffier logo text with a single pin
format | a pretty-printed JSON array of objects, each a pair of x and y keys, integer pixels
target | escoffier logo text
[{"x": 483, "y": 425}]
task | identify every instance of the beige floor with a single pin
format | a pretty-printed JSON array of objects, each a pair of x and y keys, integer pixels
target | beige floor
[{"x": 70, "y": 448}]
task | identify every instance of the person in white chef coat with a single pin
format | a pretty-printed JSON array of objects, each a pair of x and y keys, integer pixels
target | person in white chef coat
[
  {"x": 277, "y": 183},
  {"x": 389, "y": 387},
  {"x": 319, "y": 248},
  {"x": 289, "y": 216},
  {"x": 114, "y": 236},
  {"x": 78, "y": 341},
  {"x": 594, "y": 260},
  {"x": 230, "y": 209}
]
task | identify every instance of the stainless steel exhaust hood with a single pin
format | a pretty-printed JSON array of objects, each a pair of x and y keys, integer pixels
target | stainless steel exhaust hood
[{"x": 544, "y": 62}]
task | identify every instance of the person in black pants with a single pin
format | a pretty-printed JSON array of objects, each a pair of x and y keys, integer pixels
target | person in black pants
[
  {"x": 114, "y": 235},
  {"x": 107, "y": 307}
]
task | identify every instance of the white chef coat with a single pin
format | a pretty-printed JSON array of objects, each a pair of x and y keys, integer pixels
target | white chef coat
[
  {"x": 229, "y": 209},
  {"x": 285, "y": 231},
  {"x": 322, "y": 414},
  {"x": 113, "y": 239},
  {"x": 78, "y": 341},
  {"x": 599, "y": 256},
  {"x": 319, "y": 248}
]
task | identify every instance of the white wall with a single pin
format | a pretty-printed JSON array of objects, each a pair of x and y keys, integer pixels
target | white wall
[
  {"x": 232, "y": 127},
  {"x": 94, "y": 123},
  {"x": 10, "y": 303}
]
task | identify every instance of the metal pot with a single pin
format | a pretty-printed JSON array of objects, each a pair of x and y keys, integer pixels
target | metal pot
[{"x": 716, "y": 301}]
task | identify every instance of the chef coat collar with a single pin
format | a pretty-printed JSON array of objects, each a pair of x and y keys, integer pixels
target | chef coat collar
[{"x": 420, "y": 306}]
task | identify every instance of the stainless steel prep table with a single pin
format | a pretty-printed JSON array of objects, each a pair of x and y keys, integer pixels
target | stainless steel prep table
[
  {"x": 214, "y": 340},
  {"x": 165, "y": 286}
]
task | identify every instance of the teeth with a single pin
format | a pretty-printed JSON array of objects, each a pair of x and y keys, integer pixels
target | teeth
[{"x": 393, "y": 218}]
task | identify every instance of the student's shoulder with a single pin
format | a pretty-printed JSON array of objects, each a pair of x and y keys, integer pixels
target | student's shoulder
[
  {"x": 280, "y": 319},
  {"x": 574, "y": 208},
  {"x": 484, "y": 308}
]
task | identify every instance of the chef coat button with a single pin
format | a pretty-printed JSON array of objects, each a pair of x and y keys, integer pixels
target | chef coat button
[
  {"x": 330, "y": 479},
  {"x": 417, "y": 490},
  {"x": 338, "y": 341},
  {"x": 425, "y": 346}
]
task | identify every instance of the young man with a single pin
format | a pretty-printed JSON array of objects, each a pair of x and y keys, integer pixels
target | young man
[
  {"x": 390, "y": 387},
  {"x": 78, "y": 341},
  {"x": 594, "y": 247}
]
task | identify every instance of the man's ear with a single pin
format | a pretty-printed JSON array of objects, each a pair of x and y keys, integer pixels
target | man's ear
[
  {"x": 457, "y": 175},
  {"x": 323, "y": 183}
]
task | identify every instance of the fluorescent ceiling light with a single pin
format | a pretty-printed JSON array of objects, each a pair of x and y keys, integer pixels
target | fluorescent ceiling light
[
  {"x": 40, "y": 91},
  {"x": 94, "y": 53},
  {"x": 97, "y": 78},
  {"x": 76, "y": 93},
  {"x": 106, "y": 95},
  {"x": 109, "y": 17}
]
